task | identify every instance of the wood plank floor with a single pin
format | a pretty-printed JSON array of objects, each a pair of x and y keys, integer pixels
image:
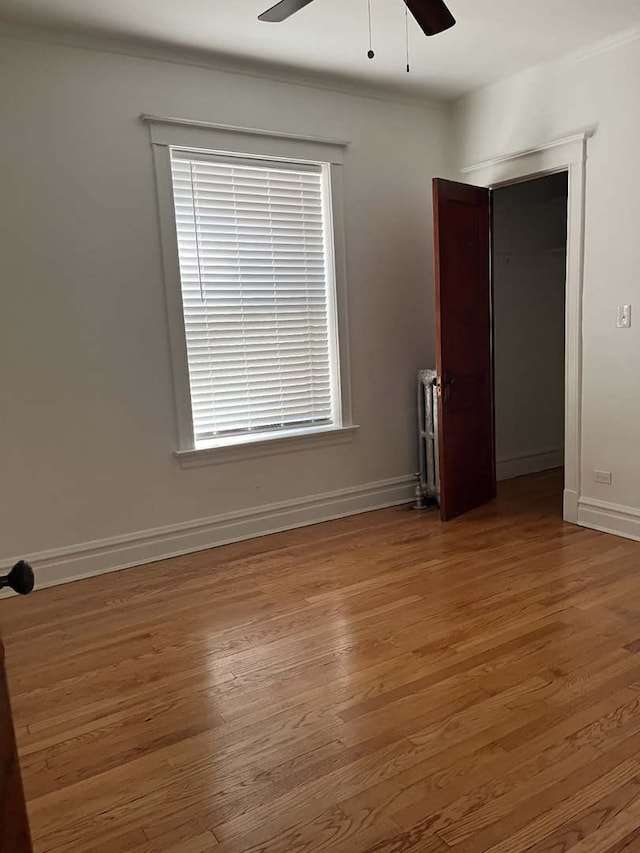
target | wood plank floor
[{"x": 383, "y": 683}]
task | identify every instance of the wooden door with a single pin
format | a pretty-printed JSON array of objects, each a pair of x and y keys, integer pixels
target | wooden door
[
  {"x": 14, "y": 828},
  {"x": 464, "y": 346}
]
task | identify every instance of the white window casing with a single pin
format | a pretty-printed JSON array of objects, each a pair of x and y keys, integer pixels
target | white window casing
[{"x": 253, "y": 252}]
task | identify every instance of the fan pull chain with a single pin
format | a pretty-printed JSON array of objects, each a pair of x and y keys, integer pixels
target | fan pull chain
[
  {"x": 370, "y": 52},
  {"x": 406, "y": 30}
]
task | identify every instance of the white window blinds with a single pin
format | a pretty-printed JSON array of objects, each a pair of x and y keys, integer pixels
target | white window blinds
[{"x": 256, "y": 292}]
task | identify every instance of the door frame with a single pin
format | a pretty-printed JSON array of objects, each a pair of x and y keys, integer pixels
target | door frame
[{"x": 568, "y": 154}]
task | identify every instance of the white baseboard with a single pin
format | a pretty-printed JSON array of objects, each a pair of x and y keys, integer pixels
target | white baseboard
[
  {"x": 609, "y": 518},
  {"x": 529, "y": 463},
  {"x": 570, "y": 506},
  {"x": 121, "y": 552}
]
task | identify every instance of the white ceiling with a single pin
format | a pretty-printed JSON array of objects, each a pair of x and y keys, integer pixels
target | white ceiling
[{"x": 493, "y": 38}]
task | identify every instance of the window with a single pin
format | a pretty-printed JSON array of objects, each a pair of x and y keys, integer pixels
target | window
[
  {"x": 253, "y": 251},
  {"x": 257, "y": 294}
]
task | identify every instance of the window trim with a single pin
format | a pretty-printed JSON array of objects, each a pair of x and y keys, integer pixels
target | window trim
[
  {"x": 256, "y": 446},
  {"x": 168, "y": 133}
]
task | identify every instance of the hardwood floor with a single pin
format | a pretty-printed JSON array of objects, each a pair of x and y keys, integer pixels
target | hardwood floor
[{"x": 382, "y": 683}]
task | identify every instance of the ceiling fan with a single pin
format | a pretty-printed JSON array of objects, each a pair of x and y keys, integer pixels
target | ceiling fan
[{"x": 432, "y": 15}]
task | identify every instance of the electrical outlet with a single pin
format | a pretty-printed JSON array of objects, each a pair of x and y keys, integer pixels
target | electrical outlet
[
  {"x": 602, "y": 477},
  {"x": 624, "y": 317}
]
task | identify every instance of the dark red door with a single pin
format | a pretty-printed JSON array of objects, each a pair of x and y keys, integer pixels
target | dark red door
[
  {"x": 464, "y": 346},
  {"x": 14, "y": 828}
]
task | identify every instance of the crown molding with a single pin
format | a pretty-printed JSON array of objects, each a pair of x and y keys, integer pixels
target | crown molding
[
  {"x": 605, "y": 45},
  {"x": 162, "y": 52}
]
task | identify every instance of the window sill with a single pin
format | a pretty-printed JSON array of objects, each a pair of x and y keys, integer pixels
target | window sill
[{"x": 255, "y": 448}]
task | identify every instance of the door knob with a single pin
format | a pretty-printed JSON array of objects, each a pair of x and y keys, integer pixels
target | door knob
[
  {"x": 444, "y": 385},
  {"x": 20, "y": 578}
]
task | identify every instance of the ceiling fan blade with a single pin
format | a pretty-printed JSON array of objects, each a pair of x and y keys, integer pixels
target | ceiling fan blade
[
  {"x": 432, "y": 15},
  {"x": 283, "y": 10}
]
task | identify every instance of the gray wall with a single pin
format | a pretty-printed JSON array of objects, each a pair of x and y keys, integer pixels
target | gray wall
[
  {"x": 88, "y": 422},
  {"x": 600, "y": 92}
]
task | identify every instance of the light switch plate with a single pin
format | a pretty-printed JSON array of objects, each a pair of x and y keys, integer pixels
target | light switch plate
[{"x": 624, "y": 316}]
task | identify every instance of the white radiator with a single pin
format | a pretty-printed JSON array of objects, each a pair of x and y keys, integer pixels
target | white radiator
[{"x": 428, "y": 487}]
